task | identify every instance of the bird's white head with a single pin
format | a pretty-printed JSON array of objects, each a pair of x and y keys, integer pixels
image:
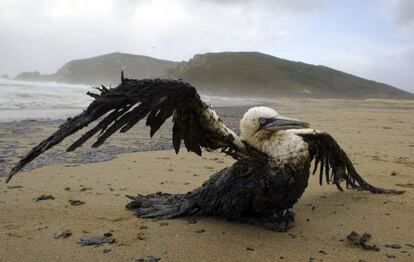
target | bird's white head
[{"x": 264, "y": 120}]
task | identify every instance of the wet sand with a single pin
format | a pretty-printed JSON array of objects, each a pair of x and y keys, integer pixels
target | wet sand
[
  {"x": 17, "y": 138},
  {"x": 378, "y": 135}
]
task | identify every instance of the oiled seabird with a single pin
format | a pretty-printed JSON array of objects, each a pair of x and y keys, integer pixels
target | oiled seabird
[{"x": 273, "y": 153}]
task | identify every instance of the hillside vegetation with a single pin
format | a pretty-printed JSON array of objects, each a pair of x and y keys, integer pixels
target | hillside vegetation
[
  {"x": 105, "y": 69},
  {"x": 226, "y": 73},
  {"x": 256, "y": 73}
]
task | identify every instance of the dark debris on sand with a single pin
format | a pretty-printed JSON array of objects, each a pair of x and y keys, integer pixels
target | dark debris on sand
[
  {"x": 76, "y": 202},
  {"x": 148, "y": 259},
  {"x": 14, "y": 187},
  {"x": 394, "y": 246},
  {"x": 44, "y": 197},
  {"x": 361, "y": 240},
  {"x": 83, "y": 189},
  {"x": 65, "y": 234},
  {"x": 96, "y": 240}
]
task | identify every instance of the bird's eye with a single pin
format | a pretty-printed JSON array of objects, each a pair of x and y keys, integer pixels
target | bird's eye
[{"x": 262, "y": 121}]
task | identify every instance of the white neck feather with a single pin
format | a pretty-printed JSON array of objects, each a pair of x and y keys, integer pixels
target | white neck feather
[{"x": 283, "y": 146}]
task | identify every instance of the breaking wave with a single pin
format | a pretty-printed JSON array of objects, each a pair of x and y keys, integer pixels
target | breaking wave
[{"x": 23, "y": 100}]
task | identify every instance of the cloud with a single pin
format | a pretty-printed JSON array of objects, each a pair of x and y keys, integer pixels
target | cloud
[
  {"x": 405, "y": 12},
  {"x": 286, "y": 5},
  {"x": 393, "y": 65},
  {"x": 401, "y": 14},
  {"x": 44, "y": 34}
]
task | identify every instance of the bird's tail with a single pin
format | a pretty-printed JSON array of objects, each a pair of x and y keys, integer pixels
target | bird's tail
[{"x": 161, "y": 205}]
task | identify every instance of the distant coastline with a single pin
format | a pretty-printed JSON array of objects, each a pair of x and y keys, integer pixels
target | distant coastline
[
  {"x": 25, "y": 100},
  {"x": 225, "y": 74}
]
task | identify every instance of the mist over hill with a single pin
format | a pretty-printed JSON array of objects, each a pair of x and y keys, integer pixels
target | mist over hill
[{"x": 226, "y": 73}]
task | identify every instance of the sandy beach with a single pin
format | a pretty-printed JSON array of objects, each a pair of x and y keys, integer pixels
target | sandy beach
[{"x": 378, "y": 136}]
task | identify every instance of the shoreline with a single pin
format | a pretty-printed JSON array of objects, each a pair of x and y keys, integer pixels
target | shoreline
[
  {"x": 31, "y": 133},
  {"x": 377, "y": 137}
]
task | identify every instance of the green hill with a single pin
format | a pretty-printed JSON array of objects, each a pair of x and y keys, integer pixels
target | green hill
[
  {"x": 252, "y": 73},
  {"x": 227, "y": 73},
  {"x": 104, "y": 69}
]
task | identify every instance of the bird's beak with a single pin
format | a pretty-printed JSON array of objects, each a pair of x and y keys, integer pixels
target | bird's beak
[{"x": 281, "y": 123}]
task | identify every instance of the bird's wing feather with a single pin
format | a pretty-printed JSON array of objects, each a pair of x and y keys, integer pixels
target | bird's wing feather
[
  {"x": 122, "y": 107},
  {"x": 334, "y": 164}
]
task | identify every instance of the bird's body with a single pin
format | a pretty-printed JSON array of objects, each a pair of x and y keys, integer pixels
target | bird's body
[
  {"x": 260, "y": 193},
  {"x": 273, "y": 153}
]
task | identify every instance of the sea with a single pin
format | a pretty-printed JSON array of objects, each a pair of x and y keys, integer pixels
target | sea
[{"x": 24, "y": 100}]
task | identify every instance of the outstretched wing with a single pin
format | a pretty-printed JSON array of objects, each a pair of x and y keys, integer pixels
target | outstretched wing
[
  {"x": 122, "y": 107},
  {"x": 335, "y": 165}
]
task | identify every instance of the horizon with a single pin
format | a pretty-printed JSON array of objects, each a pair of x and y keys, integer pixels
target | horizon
[
  {"x": 372, "y": 40},
  {"x": 160, "y": 58}
]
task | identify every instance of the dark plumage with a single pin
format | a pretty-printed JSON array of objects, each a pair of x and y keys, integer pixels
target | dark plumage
[
  {"x": 273, "y": 153},
  {"x": 256, "y": 194}
]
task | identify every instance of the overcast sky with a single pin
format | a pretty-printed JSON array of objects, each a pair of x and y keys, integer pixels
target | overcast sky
[{"x": 371, "y": 38}]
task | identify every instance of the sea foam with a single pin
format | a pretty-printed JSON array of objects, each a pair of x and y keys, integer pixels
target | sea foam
[{"x": 23, "y": 100}]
